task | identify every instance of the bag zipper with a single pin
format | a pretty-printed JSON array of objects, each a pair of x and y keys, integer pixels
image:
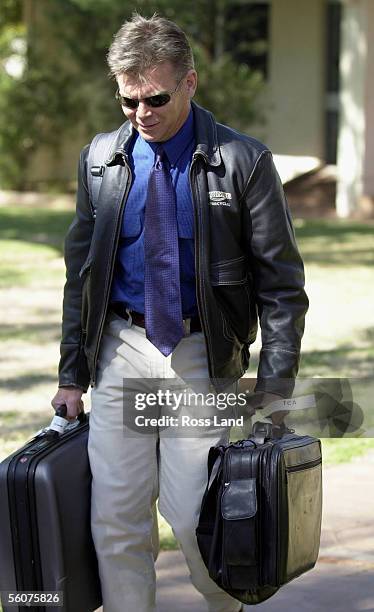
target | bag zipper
[{"x": 304, "y": 466}]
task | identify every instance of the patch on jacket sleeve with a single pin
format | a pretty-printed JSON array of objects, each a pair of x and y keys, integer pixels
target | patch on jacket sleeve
[{"x": 220, "y": 198}]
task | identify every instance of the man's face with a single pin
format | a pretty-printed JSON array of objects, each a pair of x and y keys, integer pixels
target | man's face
[{"x": 161, "y": 123}]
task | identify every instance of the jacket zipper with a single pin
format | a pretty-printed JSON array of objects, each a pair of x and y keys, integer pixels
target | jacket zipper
[
  {"x": 197, "y": 267},
  {"x": 111, "y": 265},
  {"x": 198, "y": 257}
]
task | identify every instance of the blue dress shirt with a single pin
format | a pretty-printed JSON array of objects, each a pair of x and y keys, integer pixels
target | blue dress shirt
[{"x": 128, "y": 280}]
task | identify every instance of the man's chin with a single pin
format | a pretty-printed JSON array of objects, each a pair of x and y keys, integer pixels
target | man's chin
[
  {"x": 148, "y": 137},
  {"x": 149, "y": 134}
]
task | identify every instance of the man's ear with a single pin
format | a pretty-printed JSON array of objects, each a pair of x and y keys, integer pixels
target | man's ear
[{"x": 191, "y": 82}]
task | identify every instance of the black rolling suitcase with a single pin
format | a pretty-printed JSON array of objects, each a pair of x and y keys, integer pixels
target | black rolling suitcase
[
  {"x": 260, "y": 519},
  {"x": 45, "y": 536}
]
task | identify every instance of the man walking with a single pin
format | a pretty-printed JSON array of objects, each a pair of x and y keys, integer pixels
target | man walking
[{"x": 189, "y": 244}]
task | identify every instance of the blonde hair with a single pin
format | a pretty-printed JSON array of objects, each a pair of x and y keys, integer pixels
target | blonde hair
[{"x": 143, "y": 43}]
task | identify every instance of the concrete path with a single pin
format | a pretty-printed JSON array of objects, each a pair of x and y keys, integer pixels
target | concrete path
[
  {"x": 343, "y": 579},
  {"x": 330, "y": 587}
]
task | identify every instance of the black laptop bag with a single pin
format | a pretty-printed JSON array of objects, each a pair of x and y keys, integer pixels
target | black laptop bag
[{"x": 260, "y": 519}]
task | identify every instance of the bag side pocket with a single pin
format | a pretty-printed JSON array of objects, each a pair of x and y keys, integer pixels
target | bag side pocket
[{"x": 240, "y": 534}]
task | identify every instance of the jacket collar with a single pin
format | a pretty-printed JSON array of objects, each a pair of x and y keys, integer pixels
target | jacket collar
[
  {"x": 206, "y": 135},
  {"x": 206, "y": 138}
]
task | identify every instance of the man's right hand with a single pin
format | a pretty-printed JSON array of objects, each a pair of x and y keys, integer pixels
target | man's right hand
[{"x": 71, "y": 397}]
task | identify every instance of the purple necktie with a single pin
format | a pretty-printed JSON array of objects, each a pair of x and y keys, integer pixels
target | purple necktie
[{"x": 162, "y": 292}]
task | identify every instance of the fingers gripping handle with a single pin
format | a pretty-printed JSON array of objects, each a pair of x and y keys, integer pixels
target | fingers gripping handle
[{"x": 59, "y": 422}]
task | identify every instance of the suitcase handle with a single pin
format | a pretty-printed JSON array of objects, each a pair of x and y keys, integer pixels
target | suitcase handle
[
  {"x": 60, "y": 424},
  {"x": 61, "y": 411}
]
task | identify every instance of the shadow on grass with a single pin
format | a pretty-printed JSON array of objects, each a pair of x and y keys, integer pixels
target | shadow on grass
[
  {"x": 27, "y": 429},
  {"x": 35, "y": 225},
  {"x": 336, "y": 242},
  {"x": 337, "y": 230},
  {"x": 11, "y": 277},
  {"x": 26, "y": 381},
  {"x": 347, "y": 360},
  {"x": 31, "y": 332},
  {"x": 322, "y": 241}
]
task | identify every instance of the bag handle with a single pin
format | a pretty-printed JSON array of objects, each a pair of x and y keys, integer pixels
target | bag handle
[
  {"x": 60, "y": 423},
  {"x": 262, "y": 432}
]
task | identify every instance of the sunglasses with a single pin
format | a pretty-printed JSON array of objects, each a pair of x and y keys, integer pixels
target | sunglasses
[{"x": 154, "y": 101}]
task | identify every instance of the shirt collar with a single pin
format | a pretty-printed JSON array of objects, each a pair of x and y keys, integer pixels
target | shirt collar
[{"x": 175, "y": 146}]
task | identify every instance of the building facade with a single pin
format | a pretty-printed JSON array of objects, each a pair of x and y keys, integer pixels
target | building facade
[{"x": 319, "y": 97}]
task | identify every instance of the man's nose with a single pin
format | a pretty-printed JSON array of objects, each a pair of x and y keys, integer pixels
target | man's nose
[{"x": 143, "y": 110}]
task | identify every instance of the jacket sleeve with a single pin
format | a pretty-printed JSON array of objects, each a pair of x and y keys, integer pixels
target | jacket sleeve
[
  {"x": 73, "y": 369},
  {"x": 278, "y": 278}
]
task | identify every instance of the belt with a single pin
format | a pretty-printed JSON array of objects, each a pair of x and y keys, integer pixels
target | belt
[{"x": 191, "y": 324}]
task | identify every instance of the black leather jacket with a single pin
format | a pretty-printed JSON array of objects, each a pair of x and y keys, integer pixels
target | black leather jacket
[{"x": 248, "y": 267}]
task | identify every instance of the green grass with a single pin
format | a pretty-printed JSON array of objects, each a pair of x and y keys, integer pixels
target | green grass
[
  {"x": 167, "y": 539},
  {"x": 24, "y": 263},
  {"x": 36, "y": 332},
  {"x": 31, "y": 240},
  {"x": 344, "y": 450},
  {"x": 35, "y": 225},
  {"x": 336, "y": 242}
]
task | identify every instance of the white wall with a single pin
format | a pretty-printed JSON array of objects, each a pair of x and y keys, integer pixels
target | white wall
[
  {"x": 356, "y": 131},
  {"x": 351, "y": 138},
  {"x": 296, "y": 88},
  {"x": 368, "y": 174}
]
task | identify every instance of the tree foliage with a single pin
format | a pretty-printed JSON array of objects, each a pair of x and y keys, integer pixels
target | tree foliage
[
  {"x": 65, "y": 84},
  {"x": 10, "y": 13}
]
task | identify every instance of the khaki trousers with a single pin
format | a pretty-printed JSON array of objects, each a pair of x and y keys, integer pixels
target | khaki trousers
[{"x": 130, "y": 472}]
